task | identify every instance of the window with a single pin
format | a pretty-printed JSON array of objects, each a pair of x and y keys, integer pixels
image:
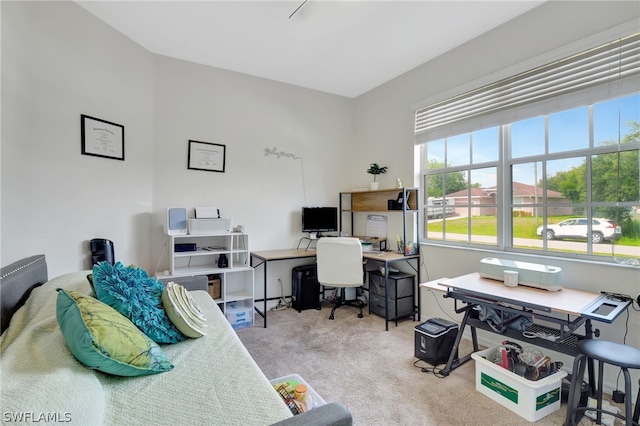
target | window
[{"x": 562, "y": 178}]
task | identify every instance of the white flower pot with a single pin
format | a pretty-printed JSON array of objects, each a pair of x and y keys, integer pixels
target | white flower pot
[{"x": 374, "y": 185}]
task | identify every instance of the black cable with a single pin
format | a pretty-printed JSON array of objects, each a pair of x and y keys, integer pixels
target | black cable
[
  {"x": 438, "y": 372},
  {"x": 440, "y": 306}
]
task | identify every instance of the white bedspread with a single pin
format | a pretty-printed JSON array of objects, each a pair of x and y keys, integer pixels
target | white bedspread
[{"x": 215, "y": 381}]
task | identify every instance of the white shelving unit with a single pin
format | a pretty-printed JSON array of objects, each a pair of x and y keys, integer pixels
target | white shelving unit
[{"x": 236, "y": 280}]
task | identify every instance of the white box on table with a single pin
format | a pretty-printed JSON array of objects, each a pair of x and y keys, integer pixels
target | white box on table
[{"x": 531, "y": 400}]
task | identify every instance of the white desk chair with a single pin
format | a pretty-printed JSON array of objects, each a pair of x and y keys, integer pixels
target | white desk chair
[{"x": 340, "y": 265}]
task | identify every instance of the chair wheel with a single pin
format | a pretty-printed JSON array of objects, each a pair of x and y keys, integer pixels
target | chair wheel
[
  {"x": 331, "y": 317},
  {"x": 360, "y": 315}
]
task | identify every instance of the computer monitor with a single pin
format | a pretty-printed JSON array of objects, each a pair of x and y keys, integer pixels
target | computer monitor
[{"x": 316, "y": 220}]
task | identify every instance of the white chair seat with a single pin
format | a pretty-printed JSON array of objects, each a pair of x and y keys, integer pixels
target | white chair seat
[{"x": 339, "y": 261}]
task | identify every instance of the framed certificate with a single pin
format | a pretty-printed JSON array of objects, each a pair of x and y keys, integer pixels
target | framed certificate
[
  {"x": 102, "y": 138},
  {"x": 206, "y": 156}
]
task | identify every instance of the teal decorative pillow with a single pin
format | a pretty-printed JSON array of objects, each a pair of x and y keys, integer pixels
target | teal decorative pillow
[
  {"x": 134, "y": 294},
  {"x": 101, "y": 338}
]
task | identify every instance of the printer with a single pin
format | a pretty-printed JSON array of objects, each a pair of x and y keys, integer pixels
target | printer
[{"x": 530, "y": 274}]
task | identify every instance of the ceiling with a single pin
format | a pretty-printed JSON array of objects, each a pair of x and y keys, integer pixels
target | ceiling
[{"x": 341, "y": 47}]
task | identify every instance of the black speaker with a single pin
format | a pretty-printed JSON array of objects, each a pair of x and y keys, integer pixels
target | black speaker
[
  {"x": 101, "y": 250},
  {"x": 305, "y": 288}
]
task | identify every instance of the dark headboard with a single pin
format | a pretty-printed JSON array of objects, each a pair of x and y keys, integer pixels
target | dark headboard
[{"x": 16, "y": 282}]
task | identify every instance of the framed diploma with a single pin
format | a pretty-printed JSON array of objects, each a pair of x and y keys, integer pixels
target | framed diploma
[
  {"x": 206, "y": 156},
  {"x": 102, "y": 138}
]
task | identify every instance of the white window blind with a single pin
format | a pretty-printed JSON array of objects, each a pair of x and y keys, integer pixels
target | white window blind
[{"x": 606, "y": 71}]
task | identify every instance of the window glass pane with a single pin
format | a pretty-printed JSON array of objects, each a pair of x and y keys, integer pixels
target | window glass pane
[
  {"x": 484, "y": 187},
  {"x": 526, "y": 186},
  {"x": 527, "y": 137},
  {"x": 569, "y": 130},
  {"x": 616, "y": 120},
  {"x": 485, "y": 145},
  {"x": 433, "y": 185},
  {"x": 434, "y": 229},
  {"x": 566, "y": 181},
  {"x": 458, "y": 149},
  {"x": 565, "y": 233},
  {"x": 484, "y": 229},
  {"x": 457, "y": 229},
  {"x": 626, "y": 248},
  {"x": 435, "y": 155},
  {"x": 484, "y": 178},
  {"x": 449, "y": 229},
  {"x": 609, "y": 226},
  {"x": 524, "y": 228},
  {"x": 455, "y": 182},
  {"x": 615, "y": 177}
]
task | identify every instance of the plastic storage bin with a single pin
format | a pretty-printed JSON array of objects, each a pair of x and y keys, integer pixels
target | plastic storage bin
[
  {"x": 531, "y": 400},
  {"x": 434, "y": 340},
  {"x": 239, "y": 314},
  {"x": 314, "y": 399}
]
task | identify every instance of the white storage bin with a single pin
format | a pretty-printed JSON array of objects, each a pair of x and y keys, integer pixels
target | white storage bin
[
  {"x": 294, "y": 379},
  {"x": 531, "y": 400}
]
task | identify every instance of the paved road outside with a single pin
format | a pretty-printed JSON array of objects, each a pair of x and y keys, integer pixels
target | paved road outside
[{"x": 575, "y": 246}]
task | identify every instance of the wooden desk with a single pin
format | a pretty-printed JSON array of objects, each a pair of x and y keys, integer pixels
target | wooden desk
[
  {"x": 291, "y": 254},
  {"x": 567, "y": 300},
  {"x": 274, "y": 255},
  {"x": 571, "y": 307}
]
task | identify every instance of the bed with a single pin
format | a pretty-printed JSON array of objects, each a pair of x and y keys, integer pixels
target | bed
[{"x": 214, "y": 380}]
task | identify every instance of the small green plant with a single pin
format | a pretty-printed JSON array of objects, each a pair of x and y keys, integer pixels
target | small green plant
[{"x": 375, "y": 170}]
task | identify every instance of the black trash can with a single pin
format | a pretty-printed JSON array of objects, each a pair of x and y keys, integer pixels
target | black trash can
[
  {"x": 305, "y": 288},
  {"x": 101, "y": 250},
  {"x": 434, "y": 340}
]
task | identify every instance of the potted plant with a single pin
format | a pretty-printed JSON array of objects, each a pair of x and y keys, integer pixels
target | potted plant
[{"x": 375, "y": 170}]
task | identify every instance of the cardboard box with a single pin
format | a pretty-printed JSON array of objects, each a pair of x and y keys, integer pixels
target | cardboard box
[
  {"x": 531, "y": 400},
  {"x": 214, "y": 287}
]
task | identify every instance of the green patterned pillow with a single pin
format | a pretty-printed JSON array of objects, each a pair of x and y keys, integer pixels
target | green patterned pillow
[{"x": 103, "y": 339}]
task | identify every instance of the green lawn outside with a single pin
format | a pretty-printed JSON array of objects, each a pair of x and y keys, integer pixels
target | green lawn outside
[{"x": 523, "y": 227}]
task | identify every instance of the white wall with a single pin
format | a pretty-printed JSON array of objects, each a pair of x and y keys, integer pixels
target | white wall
[
  {"x": 249, "y": 115},
  {"x": 58, "y": 62},
  {"x": 384, "y": 125}
]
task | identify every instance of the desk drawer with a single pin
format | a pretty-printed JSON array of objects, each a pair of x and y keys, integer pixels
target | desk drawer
[
  {"x": 397, "y": 307},
  {"x": 400, "y": 284}
]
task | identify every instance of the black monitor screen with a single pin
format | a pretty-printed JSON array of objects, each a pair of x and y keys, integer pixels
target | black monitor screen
[{"x": 319, "y": 219}]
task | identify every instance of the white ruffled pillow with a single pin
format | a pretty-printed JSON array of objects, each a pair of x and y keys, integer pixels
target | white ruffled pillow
[{"x": 183, "y": 311}]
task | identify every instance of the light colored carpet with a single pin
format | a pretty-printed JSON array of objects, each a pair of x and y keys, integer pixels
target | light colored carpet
[{"x": 356, "y": 362}]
